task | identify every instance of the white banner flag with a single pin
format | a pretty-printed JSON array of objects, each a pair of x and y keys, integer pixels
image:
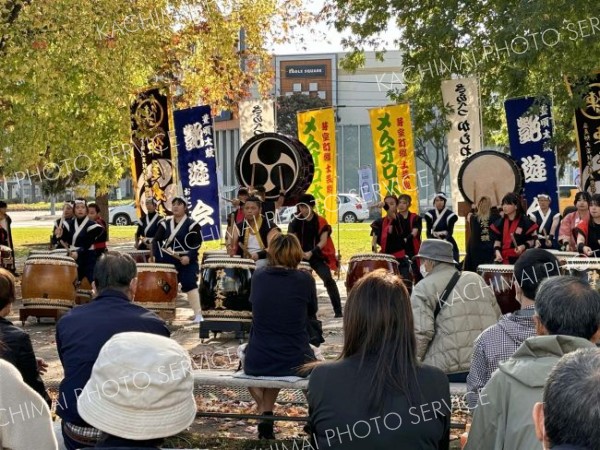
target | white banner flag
[
  {"x": 256, "y": 117},
  {"x": 464, "y": 136}
]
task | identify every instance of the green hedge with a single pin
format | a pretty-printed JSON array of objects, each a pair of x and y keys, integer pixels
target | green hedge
[{"x": 45, "y": 206}]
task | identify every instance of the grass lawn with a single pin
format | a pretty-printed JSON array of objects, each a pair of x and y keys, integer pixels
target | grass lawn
[{"x": 353, "y": 238}]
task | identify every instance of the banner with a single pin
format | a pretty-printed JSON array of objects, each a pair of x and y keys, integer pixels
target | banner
[
  {"x": 529, "y": 135},
  {"x": 198, "y": 168},
  {"x": 365, "y": 181},
  {"x": 153, "y": 171},
  {"x": 256, "y": 117},
  {"x": 394, "y": 149},
  {"x": 464, "y": 136},
  {"x": 316, "y": 130},
  {"x": 587, "y": 127}
]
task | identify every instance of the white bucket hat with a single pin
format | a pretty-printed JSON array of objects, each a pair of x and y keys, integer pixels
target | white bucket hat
[{"x": 141, "y": 388}]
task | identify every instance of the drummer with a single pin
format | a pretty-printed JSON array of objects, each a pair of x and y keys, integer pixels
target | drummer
[
  {"x": 177, "y": 242},
  {"x": 548, "y": 223},
  {"x": 514, "y": 232},
  {"x": 411, "y": 225},
  {"x": 148, "y": 226},
  {"x": 94, "y": 215},
  {"x": 81, "y": 238},
  {"x": 588, "y": 231},
  {"x": 237, "y": 215},
  {"x": 567, "y": 234},
  {"x": 387, "y": 234},
  {"x": 61, "y": 225},
  {"x": 6, "y": 236},
  {"x": 440, "y": 222},
  {"x": 252, "y": 235}
]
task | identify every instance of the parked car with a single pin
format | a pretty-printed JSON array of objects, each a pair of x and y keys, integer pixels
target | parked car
[
  {"x": 352, "y": 208},
  {"x": 123, "y": 215}
]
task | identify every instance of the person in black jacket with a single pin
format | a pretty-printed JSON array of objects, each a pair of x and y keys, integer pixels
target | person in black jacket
[
  {"x": 16, "y": 346},
  {"x": 377, "y": 395}
]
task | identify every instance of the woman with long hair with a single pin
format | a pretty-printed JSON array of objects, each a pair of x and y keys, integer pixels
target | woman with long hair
[
  {"x": 567, "y": 234},
  {"x": 480, "y": 247},
  {"x": 376, "y": 394},
  {"x": 283, "y": 299},
  {"x": 514, "y": 232}
]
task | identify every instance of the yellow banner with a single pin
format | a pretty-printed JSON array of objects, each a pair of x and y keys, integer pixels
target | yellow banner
[
  {"x": 316, "y": 130},
  {"x": 394, "y": 149}
]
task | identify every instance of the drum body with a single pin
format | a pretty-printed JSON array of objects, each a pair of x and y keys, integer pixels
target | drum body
[
  {"x": 501, "y": 278},
  {"x": 48, "y": 286},
  {"x": 305, "y": 266},
  {"x": 563, "y": 257},
  {"x": 139, "y": 256},
  {"x": 475, "y": 179},
  {"x": 157, "y": 288},
  {"x": 278, "y": 162},
  {"x": 225, "y": 289},
  {"x": 587, "y": 269},
  {"x": 213, "y": 254},
  {"x": 364, "y": 263}
]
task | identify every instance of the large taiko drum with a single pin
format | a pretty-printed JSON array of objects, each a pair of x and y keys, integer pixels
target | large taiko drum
[
  {"x": 587, "y": 269},
  {"x": 364, "y": 263},
  {"x": 139, "y": 256},
  {"x": 491, "y": 174},
  {"x": 213, "y": 254},
  {"x": 56, "y": 252},
  {"x": 501, "y": 278},
  {"x": 563, "y": 257},
  {"x": 278, "y": 162},
  {"x": 48, "y": 286},
  {"x": 157, "y": 288}
]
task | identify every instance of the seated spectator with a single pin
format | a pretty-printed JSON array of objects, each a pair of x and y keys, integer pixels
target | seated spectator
[
  {"x": 25, "y": 422},
  {"x": 81, "y": 333},
  {"x": 141, "y": 391},
  {"x": 446, "y": 328},
  {"x": 377, "y": 395},
  {"x": 567, "y": 318},
  {"x": 283, "y": 298},
  {"x": 500, "y": 341},
  {"x": 17, "y": 348},
  {"x": 569, "y": 416}
]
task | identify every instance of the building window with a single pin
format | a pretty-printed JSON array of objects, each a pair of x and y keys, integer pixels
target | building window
[
  {"x": 313, "y": 87},
  {"x": 297, "y": 87},
  {"x": 322, "y": 94}
]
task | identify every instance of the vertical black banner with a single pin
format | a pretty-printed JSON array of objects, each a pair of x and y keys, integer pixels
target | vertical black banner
[
  {"x": 153, "y": 169},
  {"x": 587, "y": 125}
]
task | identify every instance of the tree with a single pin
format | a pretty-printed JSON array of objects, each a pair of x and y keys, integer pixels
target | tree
[
  {"x": 70, "y": 70},
  {"x": 515, "y": 48},
  {"x": 288, "y": 106}
]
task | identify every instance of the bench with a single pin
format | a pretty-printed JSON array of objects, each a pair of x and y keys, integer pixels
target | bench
[{"x": 227, "y": 379}]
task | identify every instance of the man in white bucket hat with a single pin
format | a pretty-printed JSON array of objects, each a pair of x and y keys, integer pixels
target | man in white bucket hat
[{"x": 141, "y": 390}]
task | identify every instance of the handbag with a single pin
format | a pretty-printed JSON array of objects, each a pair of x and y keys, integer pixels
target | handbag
[{"x": 315, "y": 331}]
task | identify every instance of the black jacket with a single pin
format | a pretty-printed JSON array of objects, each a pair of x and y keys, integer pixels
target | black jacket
[{"x": 16, "y": 348}]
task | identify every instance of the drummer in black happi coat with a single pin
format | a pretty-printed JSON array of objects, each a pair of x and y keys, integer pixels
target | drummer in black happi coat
[
  {"x": 440, "y": 222},
  {"x": 147, "y": 226},
  {"x": 548, "y": 222}
]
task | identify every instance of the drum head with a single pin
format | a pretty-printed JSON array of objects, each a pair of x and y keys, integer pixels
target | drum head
[{"x": 491, "y": 174}]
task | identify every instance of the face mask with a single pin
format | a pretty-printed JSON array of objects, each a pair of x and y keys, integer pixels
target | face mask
[{"x": 423, "y": 270}]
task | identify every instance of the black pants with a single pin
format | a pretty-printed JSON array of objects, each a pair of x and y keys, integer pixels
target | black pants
[{"x": 324, "y": 273}]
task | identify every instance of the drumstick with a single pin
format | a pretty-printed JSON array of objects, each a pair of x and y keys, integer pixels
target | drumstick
[
  {"x": 495, "y": 193},
  {"x": 227, "y": 200},
  {"x": 171, "y": 253},
  {"x": 512, "y": 236},
  {"x": 475, "y": 192},
  {"x": 280, "y": 178},
  {"x": 252, "y": 177}
]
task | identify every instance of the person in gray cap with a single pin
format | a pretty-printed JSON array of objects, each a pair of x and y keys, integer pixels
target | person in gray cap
[{"x": 450, "y": 310}]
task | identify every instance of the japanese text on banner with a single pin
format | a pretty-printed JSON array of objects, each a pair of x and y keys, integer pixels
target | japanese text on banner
[
  {"x": 198, "y": 168},
  {"x": 393, "y": 145},
  {"x": 316, "y": 130},
  {"x": 529, "y": 133}
]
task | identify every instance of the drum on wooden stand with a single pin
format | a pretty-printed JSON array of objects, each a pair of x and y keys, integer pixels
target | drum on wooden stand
[
  {"x": 48, "y": 286},
  {"x": 225, "y": 295},
  {"x": 364, "y": 263},
  {"x": 157, "y": 289},
  {"x": 501, "y": 278},
  {"x": 6, "y": 257},
  {"x": 139, "y": 256},
  {"x": 587, "y": 269}
]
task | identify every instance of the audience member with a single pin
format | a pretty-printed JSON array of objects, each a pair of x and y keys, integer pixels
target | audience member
[
  {"x": 81, "y": 333},
  {"x": 569, "y": 416},
  {"x": 500, "y": 341},
  {"x": 446, "y": 327},
  {"x": 283, "y": 298},
  {"x": 567, "y": 318},
  {"x": 140, "y": 391},
  {"x": 17, "y": 348},
  {"x": 377, "y": 395},
  {"x": 25, "y": 422}
]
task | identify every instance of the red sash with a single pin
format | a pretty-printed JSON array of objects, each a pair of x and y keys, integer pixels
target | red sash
[
  {"x": 507, "y": 232},
  {"x": 329, "y": 250}
]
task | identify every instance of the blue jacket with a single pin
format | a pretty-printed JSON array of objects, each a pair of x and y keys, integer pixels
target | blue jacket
[{"x": 81, "y": 333}]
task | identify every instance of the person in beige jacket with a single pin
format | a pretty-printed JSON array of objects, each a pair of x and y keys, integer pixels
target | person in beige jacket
[
  {"x": 25, "y": 422},
  {"x": 445, "y": 337}
]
